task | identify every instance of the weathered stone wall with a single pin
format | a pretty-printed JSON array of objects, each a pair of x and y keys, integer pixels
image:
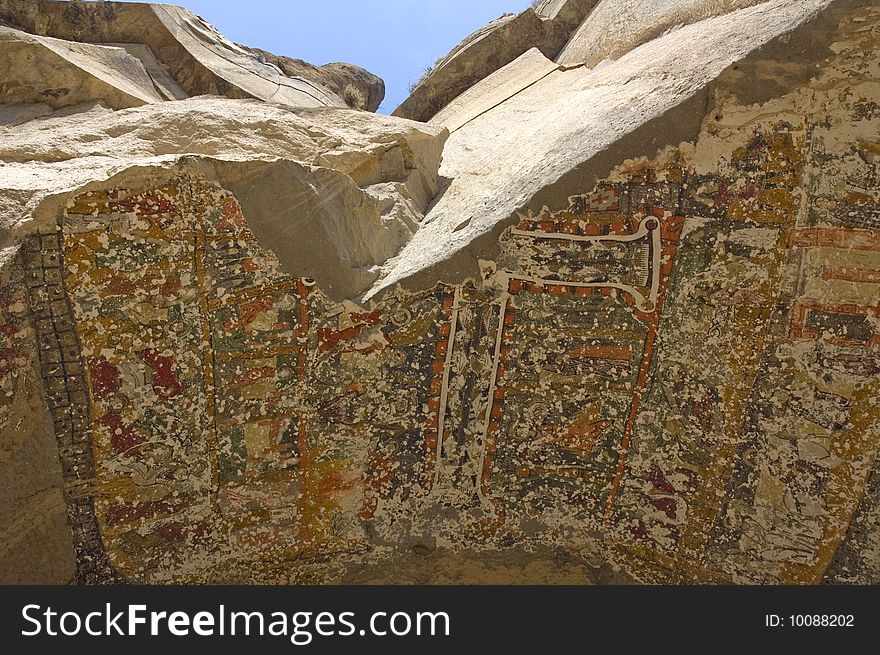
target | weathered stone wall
[
  {"x": 35, "y": 541},
  {"x": 669, "y": 377}
]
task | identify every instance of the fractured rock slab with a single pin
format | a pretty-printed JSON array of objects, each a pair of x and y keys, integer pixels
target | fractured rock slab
[
  {"x": 499, "y": 160},
  {"x": 192, "y": 52},
  {"x": 615, "y": 27},
  {"x": 37, "y": 69},
  {"x": 490, "y": 48},
  {"x": 491, "y": 91}
]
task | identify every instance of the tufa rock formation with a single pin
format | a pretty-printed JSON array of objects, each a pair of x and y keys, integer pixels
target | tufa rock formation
[{"x": 607, "y": 310}]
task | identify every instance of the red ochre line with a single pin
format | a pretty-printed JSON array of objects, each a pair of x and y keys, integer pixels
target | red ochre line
[
  {"x": 616, "y": 353},
  {"x": 852, "y": 275},
  {"x": 815, "y": 237},
  {"x": 497, "y": 400},
  {"x": 432, "y": 424},
  {"x": 302, "y": 441},
  {"x": 670, "y": 230}
]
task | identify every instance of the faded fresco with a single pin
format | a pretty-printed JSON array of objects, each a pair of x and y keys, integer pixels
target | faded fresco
[{"x": 679, "y": 372}]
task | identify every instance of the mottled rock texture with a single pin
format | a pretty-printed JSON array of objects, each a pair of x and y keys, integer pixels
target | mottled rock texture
[{"x": 627, "y": 330}]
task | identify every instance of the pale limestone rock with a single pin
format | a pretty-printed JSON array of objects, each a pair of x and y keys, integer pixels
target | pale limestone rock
[
  {"x": 501, "y": 159},
  {"x": 190, "y": 51},
  {"x": 617, "y": 26},
  {"x": 318, "y": 222},
  {"x": 38, "y": 69},
  {"x": 236, "y": 66},
  {"x": 164, "y": 83},
  {"x": 569, "y": 12},
  {"x": 344, "y": 154},
  {"x": 16, "y": 113},
  {"x": 546, "y": 28},
  {"x": 491, "y": 91},
  {"x": 338, "y": 77}
]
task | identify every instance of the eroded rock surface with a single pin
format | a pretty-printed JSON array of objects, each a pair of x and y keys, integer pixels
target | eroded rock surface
[
  {"x": 615, "y": 27},
  {"x": 501, "y": 158},
  {"x": 191, "y": 52},
  {"x": 627, "y": 331},
  {"x": 42, "y": 70},
  {"x": 481, "y": 53}
]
